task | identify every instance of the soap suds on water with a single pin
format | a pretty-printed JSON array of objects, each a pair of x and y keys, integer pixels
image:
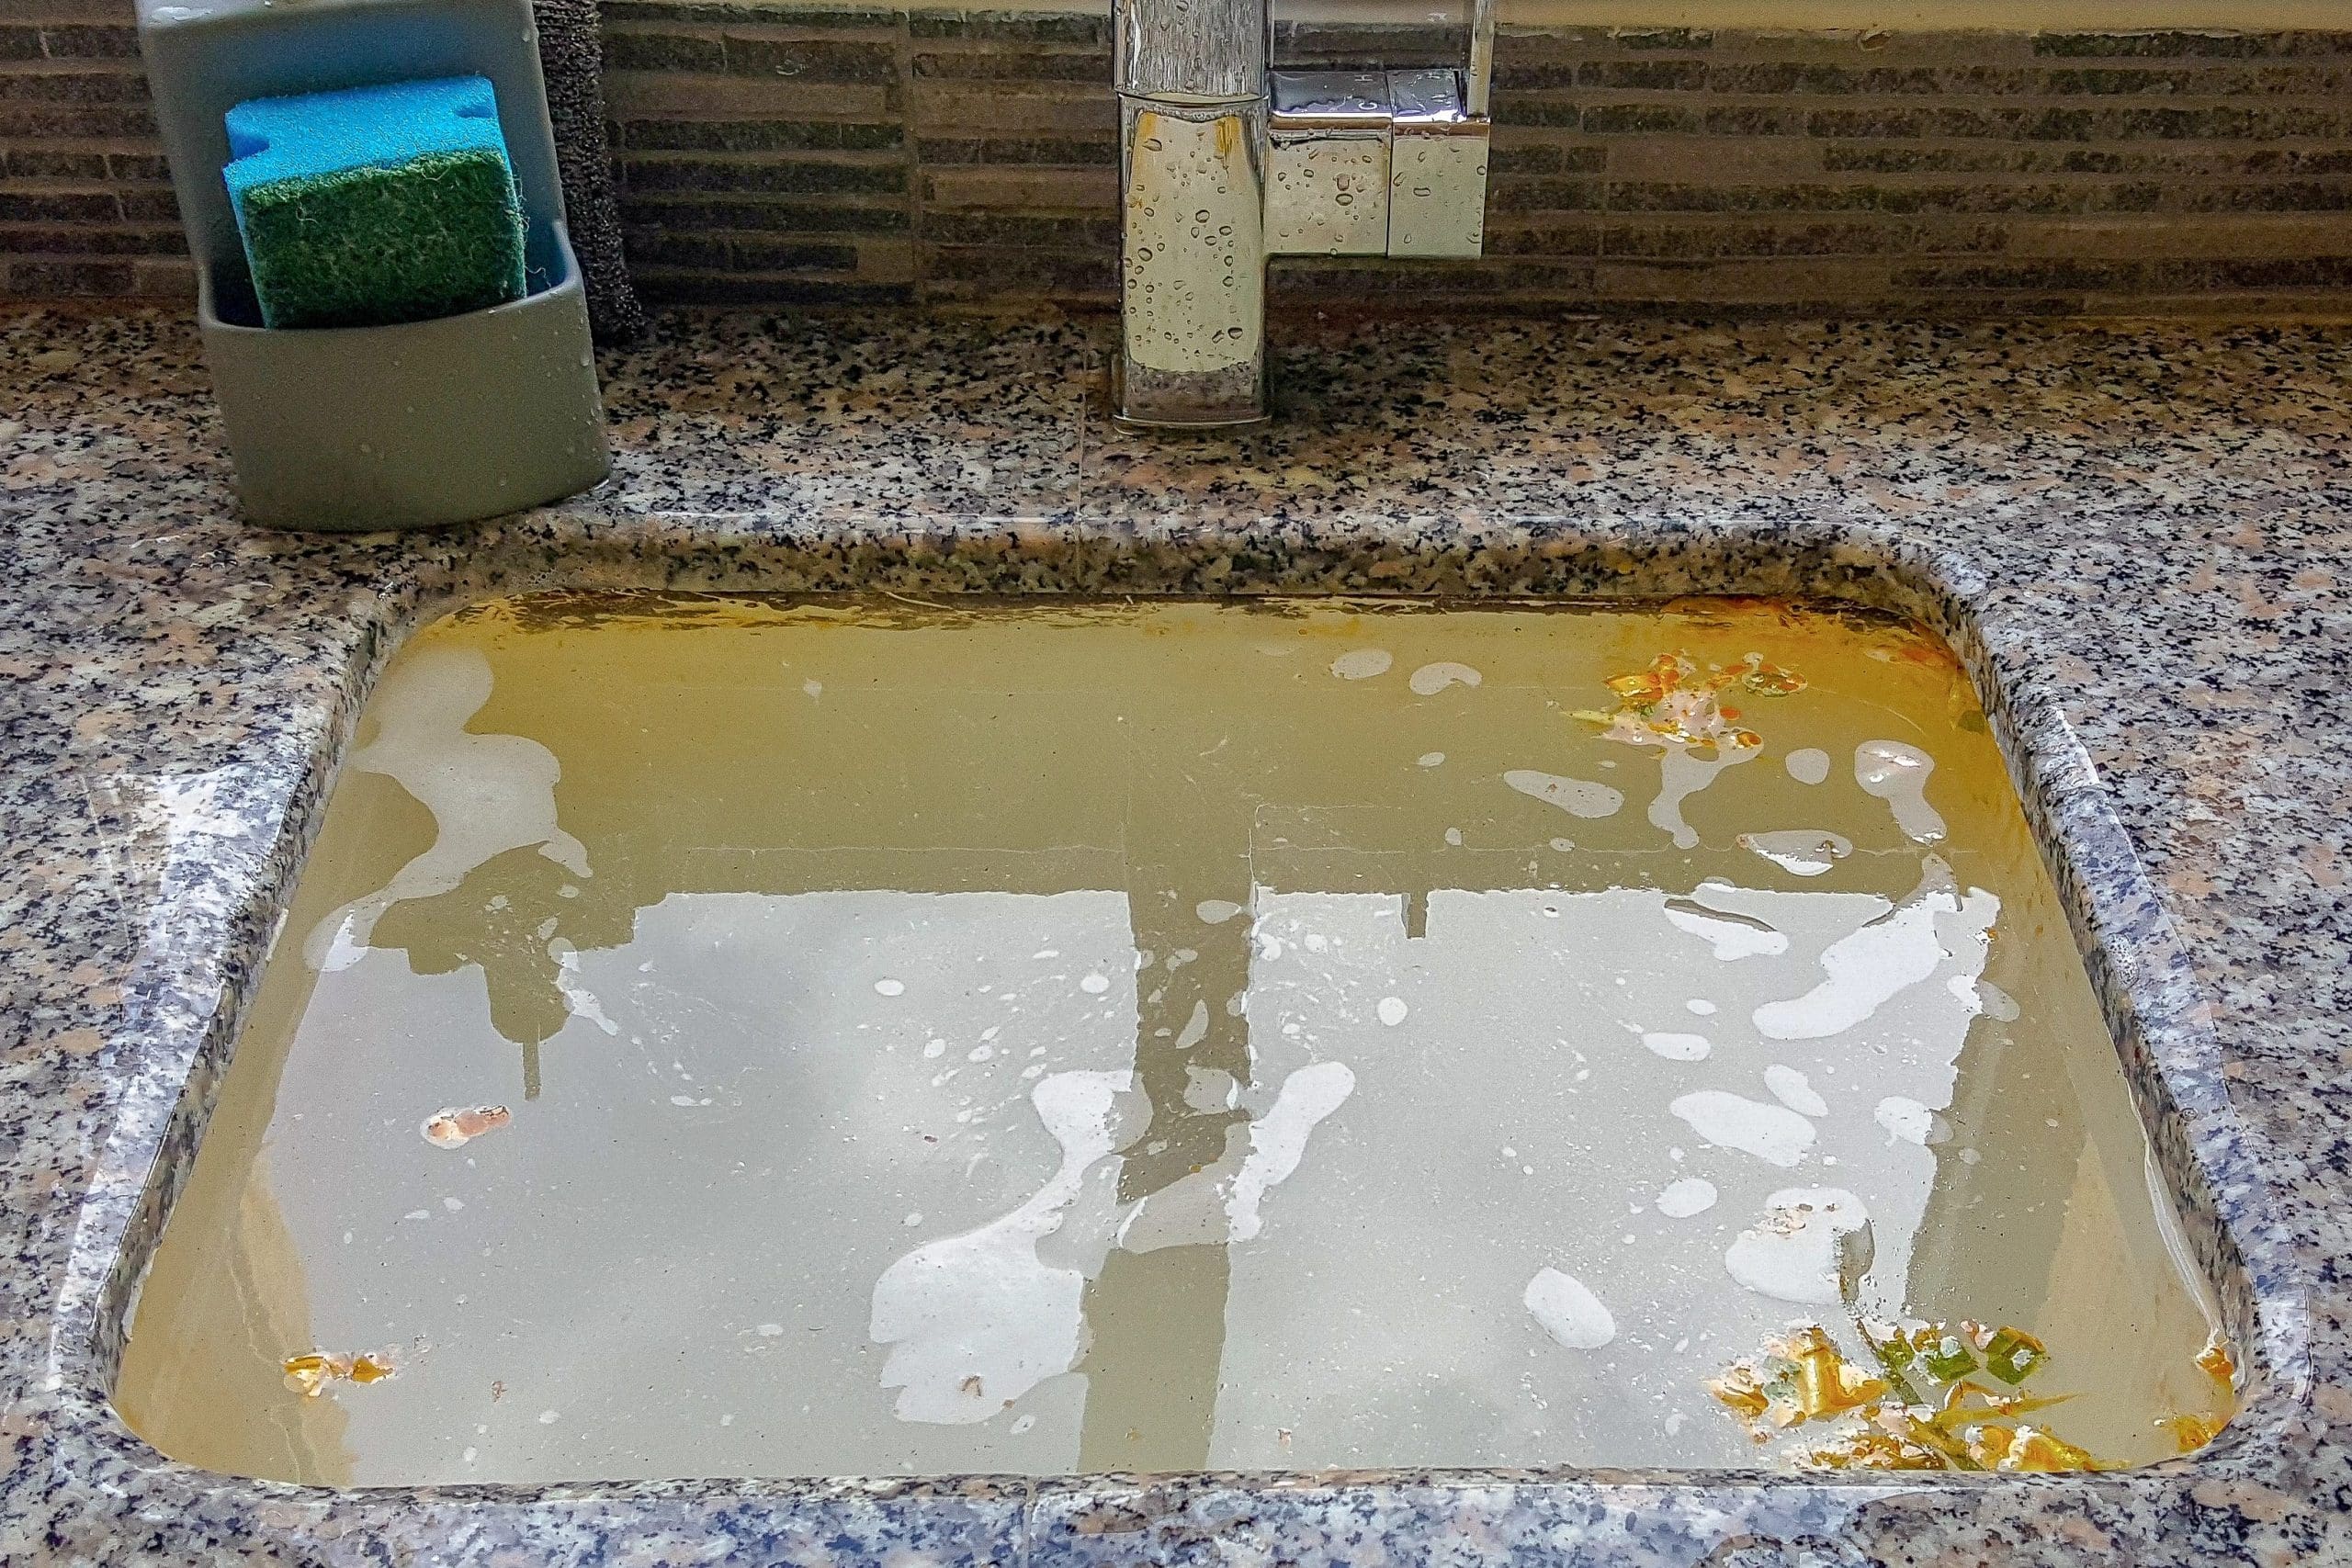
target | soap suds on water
[
  {"x": 1771, "y": 1133},
  {"x": 487, "y": 793},
  {"x": 1575, "y": 796},
  {"x": 1568, "y": 1311},
  {"x": 1897, "y": 774},
  {"x": 1362, "y": 663},
  {"x": 1690, "y": 1195},
  {"x": 1869, "y": 968},
  {"x": 1793, "y": 1089},
  {"x": 1801, "y": 852},
  {"x": 975, "y": 1321},
  {"x": 1220, "y": 1204},
  {"x": 1679, "y": 1047},
  {"x": 578, "y": 1001},
  {"x": 1791, "y": 1255},
  {"x": 1431, "y": 679},
  {"x": 1732, "y": 936},
  {"x": 1808, "y": 764},
  {"x": 1681, "y": 775},
  {"x": 1908, "y": 1121},
  {"x": 1216, "y": 912}
]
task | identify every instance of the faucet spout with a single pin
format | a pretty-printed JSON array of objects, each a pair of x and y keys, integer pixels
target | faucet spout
[{"x": 1193, "y": 100}]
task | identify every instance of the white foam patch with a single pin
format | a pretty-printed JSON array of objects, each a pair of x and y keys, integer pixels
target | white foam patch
[
  {"x": 1681, "y": 776},
  {"x": 1392, "y": 1010},
  {"x": 578, "y": 1001},
  {"x": 1800, "y": 851},
  {"x": 1362, "y": 663},
  {"x": 1691, "y": 1195},
  {"x": 1908, "y": 1121},
  {"x": 1791, "y": 1255},
  {"x": 1576, "y": 797},
  {"x": 1897, "y": 774},
  {"x": 1220, "y": 1204},
  {"x": 1773, "y": 1134},
  {"x": 1568, "y": 1311},
  {"x": 1731, "y": 936},
  {"x": 1679, "y": 1047},
  {"x": 1793, "y": 1089},
  {"x": 1431, "y": 679},
  {"x": 488, "y": 794},
  {"x": 1278, "y": 1139},
  {"x": 975, "y": 1321},
  {"x": 1808, "y": 764},
  {"x": 1869, "y": 968},
  {"x": 1216, "y": 912}
]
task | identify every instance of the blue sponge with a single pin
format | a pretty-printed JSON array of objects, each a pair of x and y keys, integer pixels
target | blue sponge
[{"x": 376, "y": 204}]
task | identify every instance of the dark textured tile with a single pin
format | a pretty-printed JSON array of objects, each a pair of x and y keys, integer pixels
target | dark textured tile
[
  {"x": 108, "y": 85},
  {"x": 719, "y": 11},
  {"x": 738, "y": 253},
  {"x": 976, "y": 65},
  {"x": 663, "y": 286},
  {"x": 139, "y": 168},
  {"x": 39, "y": 275},
  {"x": 1530, "y": 236},
  {"x": 629, "y": 50},
  {"x": 46, "y": 163},
  {"x": 1746, "y": 237},
  {"x": 64, "y": 122},
  {"x": 757, "y": 136},
  {"x": 1038, "y": 150},
  {"x": 144, "y": 206},
  {"x": 1022, "y": 230},
  {"x": 92, "y": 240},
  {"x": 20, "y": 43},
  {"x": 1026, "y": 273},
  {"x": 1016, "y": 27},
  {"x": 86, "y": 40},
  {"x": 1662, "y": 38},
  {"x": 2138, "y": 277},
  {"x": 1544, "y": 158},
  {"x": 1649, "y": 76},
  {"x": 683, "y": 213},
  {"x": 810, "y": 59},
  {"x": 1640, "y": 120},
  {"x": 59, "y": 207},
  {"x": 2216, "y": 44},
  {"x": 711, "y": 175},
  {"x": 1519, "y": 194}
]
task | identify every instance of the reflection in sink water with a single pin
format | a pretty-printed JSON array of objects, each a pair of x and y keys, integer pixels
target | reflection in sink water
[{"x": 725, "y": 1036}]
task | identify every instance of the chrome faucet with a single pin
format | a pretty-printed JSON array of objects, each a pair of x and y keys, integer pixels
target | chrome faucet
[{"x": 1224, "y": 162}]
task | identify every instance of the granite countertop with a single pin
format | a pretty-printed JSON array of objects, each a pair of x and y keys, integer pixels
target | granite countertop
[{"x": 2138, "y": 536}]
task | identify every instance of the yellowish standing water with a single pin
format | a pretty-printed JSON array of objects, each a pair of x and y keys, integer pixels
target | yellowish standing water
[{"x": 733, "y": 1036}]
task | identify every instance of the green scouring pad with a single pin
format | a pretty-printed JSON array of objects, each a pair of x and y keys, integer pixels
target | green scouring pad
[{"x": 376, "y": 204}]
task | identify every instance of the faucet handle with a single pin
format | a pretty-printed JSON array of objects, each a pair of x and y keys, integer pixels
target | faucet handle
[
  {"x": 1478, "y": 76},
  {"x": 1437, "y": 187},
  {"x": 1382, "y": 163}
]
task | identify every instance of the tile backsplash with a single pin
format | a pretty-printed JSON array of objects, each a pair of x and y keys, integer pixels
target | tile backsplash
[{"x": 788, "y": 154}]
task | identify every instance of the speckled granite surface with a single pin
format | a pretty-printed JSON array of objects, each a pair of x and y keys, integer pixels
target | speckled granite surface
[{"x": 2138, "y": 538}]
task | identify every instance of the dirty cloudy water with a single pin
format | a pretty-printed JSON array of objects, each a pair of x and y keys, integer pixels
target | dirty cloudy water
[{"x": 742, "y": 1036}]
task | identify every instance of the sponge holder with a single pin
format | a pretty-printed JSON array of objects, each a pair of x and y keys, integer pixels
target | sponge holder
[{"x": 414, "y": 425}]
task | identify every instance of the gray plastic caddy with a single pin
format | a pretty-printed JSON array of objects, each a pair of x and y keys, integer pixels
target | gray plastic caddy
[{"x": 402, "y": 426}]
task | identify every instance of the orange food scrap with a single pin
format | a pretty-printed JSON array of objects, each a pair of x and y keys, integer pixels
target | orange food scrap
[
  {"x": 310, "y": 1374},
  {"x": 2191, "y": 1432},
  {"x": 2216, "y": 1360},
  {"x": 453, "y": 1126},
  {"x": 1678, "y": 701},
  {"x": 1923, "y": 1411}
]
